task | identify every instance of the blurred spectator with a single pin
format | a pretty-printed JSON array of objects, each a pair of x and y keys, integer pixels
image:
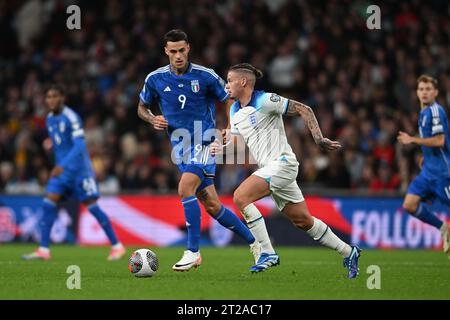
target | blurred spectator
[
  {"x": 360, "y": 83},
  {"x": 385, "y": 180}
]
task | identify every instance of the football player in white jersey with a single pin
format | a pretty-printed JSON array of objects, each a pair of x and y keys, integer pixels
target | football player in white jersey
[{"x": 257, "y": 117}]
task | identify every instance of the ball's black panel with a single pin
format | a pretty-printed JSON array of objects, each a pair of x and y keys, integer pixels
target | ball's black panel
[{"x": 152, "y": 260}]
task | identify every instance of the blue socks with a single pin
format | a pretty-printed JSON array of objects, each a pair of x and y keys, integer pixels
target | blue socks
[
  {"x": 229, "y": 220},
  {"x": 426, "y": 216},
  {"x": 192, "y": 214},
  {"x": 50, "y": 212},
  {"x": 103, "y": 220}
]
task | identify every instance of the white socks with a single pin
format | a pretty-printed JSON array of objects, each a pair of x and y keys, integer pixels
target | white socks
[
  {"x": 319, "y": 232},
  {"x": 322, "y": 233},
  {"x": 444, "y": 228},
  {"x": 257, "y": 226}
]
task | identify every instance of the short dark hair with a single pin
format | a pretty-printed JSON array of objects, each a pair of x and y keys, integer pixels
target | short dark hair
[
  {"x": 56, "y": 87},
  {"x": 249, "y": 68},
  {"x": 175, "y": 35},
  {"x": 428, "y": 79}
]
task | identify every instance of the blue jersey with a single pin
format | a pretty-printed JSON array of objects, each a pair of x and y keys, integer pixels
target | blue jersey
[
  {"x": 67, "y": 134},
  {"x": 185, "y": 99},
  {"x": 433, "y": 121}
]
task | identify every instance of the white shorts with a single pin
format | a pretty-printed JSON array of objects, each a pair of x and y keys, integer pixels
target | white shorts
[{"x": 282, "y": 179}]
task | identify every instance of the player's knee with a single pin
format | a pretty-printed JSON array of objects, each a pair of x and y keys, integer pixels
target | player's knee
[
  {"x": 53, "y": 197},
  {"x": 212, "y": 207},
  {"x": 240, "y": 200},
  {"x": 185, "y": 191},
  {"x": 303, "y": 222},
  {"x": 301, "y": 219},
  {"x": 90, "y": 202},
  {"x": 410, "y": 207}
]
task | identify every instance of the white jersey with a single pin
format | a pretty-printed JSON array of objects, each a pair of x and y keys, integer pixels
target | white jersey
[{"x": 260, "y": 123}]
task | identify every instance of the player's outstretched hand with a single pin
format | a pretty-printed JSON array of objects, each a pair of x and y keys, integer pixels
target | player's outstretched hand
[
  {"x": 404, "y": 138},
  {"x": 56, "y": 171},
  {"x": 216, "y": 147},
  {"x": 329, "y": 145},
  {"x": 160, "y": 123}
]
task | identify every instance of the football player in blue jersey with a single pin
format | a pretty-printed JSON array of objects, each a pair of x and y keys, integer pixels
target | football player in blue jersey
[
  {"x": 186, "y": 94},
  {"x": 433, "y": 182},
  {"x": 72, "y": 175}
]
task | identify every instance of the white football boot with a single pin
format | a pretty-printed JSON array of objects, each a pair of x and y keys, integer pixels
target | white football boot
[
  {"x": 38, "y": 254},
  {"x": 445, "y": 232},
  {"x": 117, "y": 252},
  {"x": 255, "y": 249},
  {"x": 188, "y": 261}
]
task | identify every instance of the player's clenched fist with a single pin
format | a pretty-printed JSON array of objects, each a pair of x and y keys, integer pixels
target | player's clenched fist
[
  {"x": 226, "y": 136},
  {"x": 404, "y": 138},
  {"x": 159, "y": 123},
  {"x": 329, "y": 145}
]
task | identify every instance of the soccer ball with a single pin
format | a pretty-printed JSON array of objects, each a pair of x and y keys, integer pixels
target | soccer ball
[{"x": 143, "y": 263}]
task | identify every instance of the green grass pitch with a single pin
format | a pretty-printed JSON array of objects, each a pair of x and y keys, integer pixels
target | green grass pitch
[{"x": 304, "y": 273}]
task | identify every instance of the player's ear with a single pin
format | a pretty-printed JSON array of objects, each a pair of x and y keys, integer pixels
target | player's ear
[
  {"x": 244, "y": 81},
  {"x": 188, "y": 48},
  {"x": 166, "y": 51}
]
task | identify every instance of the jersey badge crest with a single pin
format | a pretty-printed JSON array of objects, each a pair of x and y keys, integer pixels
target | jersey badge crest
[
  {"x": 195, "y": 86},
  {"x": 274, "y": 97},
  {"x": 252, "y": 120}
]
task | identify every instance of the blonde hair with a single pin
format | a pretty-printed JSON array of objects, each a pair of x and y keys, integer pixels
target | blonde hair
[
  {"x": 247, "y": 67},
  {"x": 428, "y": 79}
]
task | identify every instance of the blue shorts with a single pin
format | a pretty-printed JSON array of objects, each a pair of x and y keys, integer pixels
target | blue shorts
[
  {"x": 430, "y": 189},
  {"x": 203, "y": 165},
  {"x": 81, "y": 187}
]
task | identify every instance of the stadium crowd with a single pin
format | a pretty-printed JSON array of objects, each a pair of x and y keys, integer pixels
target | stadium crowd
[{"x": 360, "y": 83}]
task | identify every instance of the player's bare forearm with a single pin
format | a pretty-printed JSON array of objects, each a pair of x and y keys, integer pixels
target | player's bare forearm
[
  {"x": 144, "y": 113},
  {"x": 437, "y": 141},
  {"x": 158, "y": 122},
  {"x": 296, "y": 108}
]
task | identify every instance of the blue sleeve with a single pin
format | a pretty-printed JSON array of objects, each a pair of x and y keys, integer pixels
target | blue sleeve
[
  {"x": 438, "y": 122},
  {"x": 148, "y": 92},
  {"x": 78, "y": 147},
  {"x": 217, "y": 87}
]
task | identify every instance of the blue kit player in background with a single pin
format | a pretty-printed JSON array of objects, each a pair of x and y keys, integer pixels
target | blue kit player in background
[
  {"x": 72, "y": 176},
  {"x": 433, "y": 182},
  {"x": 186, "y": 95}
]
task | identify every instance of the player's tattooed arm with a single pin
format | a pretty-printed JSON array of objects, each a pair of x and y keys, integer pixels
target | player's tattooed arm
[
  {"x": 158, "y": 122},
  {"x": 296, "y": 108}
]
